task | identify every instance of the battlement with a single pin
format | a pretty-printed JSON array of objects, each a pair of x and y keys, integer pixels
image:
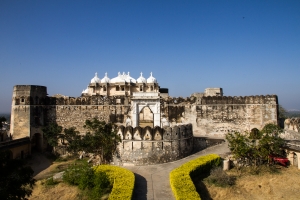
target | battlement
[
  {"x": 148, "y": 145},
  {"x": 258, "y": 99},
  {"x": 29, "y": 94},
  {"x": 30, "y": 88},
  {"x": 156, "y": 134},
  {"x": 205, "y": 100}
]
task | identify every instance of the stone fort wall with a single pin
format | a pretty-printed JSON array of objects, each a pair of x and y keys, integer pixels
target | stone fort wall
[
  {"x": 215, "y": 116},
  {"x": 209, "y": 116},
  {"x": 143, "y": 146}
]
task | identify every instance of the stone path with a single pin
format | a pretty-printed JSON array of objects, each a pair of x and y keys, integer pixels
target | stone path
[{"x": 152, "y": 182}]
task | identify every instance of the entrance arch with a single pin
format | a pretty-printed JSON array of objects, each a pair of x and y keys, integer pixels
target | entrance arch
[
  {"x": 151, "y": 101},
  {"x": 146, "y": 117}
]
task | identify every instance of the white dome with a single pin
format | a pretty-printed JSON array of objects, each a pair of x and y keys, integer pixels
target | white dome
[
  {"x": 95, "y": 79},
  {"x": 105, "y": 79},
  {"x": 128, "y": 78},
  {"x": 151, "y": 79},
  {"x": 123, "y": 78},
  {"x": 86, "y": 91},
  {"x": 117, "y": 79},
  {"x": 141, "y": 79}
]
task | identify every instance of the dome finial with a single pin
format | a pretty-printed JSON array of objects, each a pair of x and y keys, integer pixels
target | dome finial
[
  {"x": 105, "y": 74},
  {"x": 151, "y": 74}
]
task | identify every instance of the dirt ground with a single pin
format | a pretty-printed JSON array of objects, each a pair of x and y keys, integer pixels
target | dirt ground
[
  {"x": 282, "y": 185},
  {"x": 60, "y": 191},
  {"x": 44, "y": 168}
]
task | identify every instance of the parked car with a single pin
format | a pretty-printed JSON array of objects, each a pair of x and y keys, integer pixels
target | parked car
[{"x": 278, "y": 159}]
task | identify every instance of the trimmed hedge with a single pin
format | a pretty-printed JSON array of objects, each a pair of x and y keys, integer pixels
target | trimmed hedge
[
  {"x": 180, "y": 178},
  {"x": 122, "y": 179}
]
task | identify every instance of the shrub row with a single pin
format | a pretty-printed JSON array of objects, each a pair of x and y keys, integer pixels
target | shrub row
[
  {"x": 122, "y": 180},
  {"x": 180, "y": 178}
]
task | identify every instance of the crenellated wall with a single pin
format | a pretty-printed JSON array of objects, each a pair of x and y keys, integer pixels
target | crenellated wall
[
  {"x": 216, "y": 116},
  {"x": 206, "y": 116},
  {"x": 143, "y": 146}
]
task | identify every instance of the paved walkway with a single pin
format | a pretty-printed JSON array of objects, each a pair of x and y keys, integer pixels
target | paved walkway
[{"x": 152, "y": 182}]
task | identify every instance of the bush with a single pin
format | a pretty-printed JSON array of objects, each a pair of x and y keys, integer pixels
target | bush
[
  {"x": 220, "y": 178},
  {"x": 122, "y": 180},
  {"x": 86, "y": 178},
  {"x": 180, "y": 178},
  {"x": 50, "y": 182},
  {"x": 99, "y": 180}
]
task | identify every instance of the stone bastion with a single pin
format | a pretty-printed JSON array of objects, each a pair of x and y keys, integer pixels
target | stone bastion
[{"x": 146, "y": 146}]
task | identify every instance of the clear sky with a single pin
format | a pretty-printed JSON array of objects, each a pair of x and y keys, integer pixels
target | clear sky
[{"x": 245, "y": 47}]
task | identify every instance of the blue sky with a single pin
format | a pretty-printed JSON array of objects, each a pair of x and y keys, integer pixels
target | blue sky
[{"x": 245, "y": 47}]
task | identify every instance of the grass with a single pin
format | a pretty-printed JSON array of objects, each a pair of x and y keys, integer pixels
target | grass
[{"x": 263, "y": 183}]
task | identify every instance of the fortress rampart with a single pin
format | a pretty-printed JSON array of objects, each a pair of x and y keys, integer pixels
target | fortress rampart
[
  {"x": 206, "y": 116},
  {"x": 142, "y": 146},
  {"x": 210, "y": 116}
]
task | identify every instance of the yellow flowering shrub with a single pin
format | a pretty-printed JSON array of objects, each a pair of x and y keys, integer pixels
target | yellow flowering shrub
[
  {"x": 122, "y": 179},
  {"x": 180, "y": 178}
]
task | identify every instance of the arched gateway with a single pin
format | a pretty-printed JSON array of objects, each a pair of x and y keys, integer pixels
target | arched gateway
[{"x": 140, "y": 100}]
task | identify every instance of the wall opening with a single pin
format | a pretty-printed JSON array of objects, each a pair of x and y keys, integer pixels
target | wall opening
[
  {"x": 37, "y": 142},
  {"x": 146, "y": 117}
]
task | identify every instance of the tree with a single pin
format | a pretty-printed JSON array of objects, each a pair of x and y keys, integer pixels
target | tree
[
  {"x": 73, "y": 138},
  {"x": 16, "y": 179},
  {"x": 254, "y": 148},
  {"x": 101, "y": 139},
  {"x": 53, "y": 132}
]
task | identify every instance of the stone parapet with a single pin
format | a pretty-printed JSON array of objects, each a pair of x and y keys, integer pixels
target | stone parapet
[{"x": 144, "y": 146}]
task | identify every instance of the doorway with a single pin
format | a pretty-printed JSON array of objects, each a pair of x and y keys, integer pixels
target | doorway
[{"x": 146, "y": 117}]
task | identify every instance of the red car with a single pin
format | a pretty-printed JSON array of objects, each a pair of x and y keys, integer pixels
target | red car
[{"x": 279, "y": 159}]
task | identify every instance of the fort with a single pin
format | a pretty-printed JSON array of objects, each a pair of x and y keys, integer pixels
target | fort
[{"x": 154, "y": 127}]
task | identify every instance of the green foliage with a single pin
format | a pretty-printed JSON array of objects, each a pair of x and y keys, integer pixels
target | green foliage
[
  {"x": 53, "y": 133},
  {"x": 16, "y": 179},
  {"x": 86, "y": 178},
  {"x": 98, "y": 180},
  {"x": 180, "y": 178},
  {"x": 50, "y": 182},
  {"x": 73, "y": 138},
  {"x": 101, "y": 139},
  {"x": 239, "y": 144},
  {"x": 122, "y": 180},
  {"x": 255, "y": 148},
  {"x": 220, "y": 178},
  {"x": 255, "y": 134}
]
